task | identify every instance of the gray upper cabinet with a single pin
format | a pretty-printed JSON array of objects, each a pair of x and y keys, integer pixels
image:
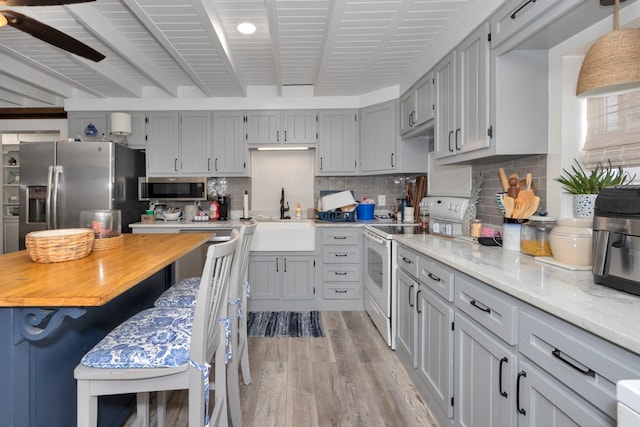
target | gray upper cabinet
[
  {"x": 417, "y": 107},
  {"x": 281, "y": 127},
  {"x": 163, "y": 151},
  {"x": 462, "y": 97},
  {"x": 179, "y": 144},
  {"x": 337, "y": 142},
  {"x": 229, "y": 144},
  {"x": 138, "y": 137},
  {"x": 378, "y": 138}
]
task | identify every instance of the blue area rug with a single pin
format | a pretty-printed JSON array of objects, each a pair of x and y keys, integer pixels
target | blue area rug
[{"x": 284, "y": 324}]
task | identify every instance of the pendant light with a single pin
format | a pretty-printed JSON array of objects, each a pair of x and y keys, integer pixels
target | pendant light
[{"x": 613, "y": 62}]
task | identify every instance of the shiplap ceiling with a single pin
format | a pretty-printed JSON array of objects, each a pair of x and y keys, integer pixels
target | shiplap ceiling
[{"x": 178, "y": 48}]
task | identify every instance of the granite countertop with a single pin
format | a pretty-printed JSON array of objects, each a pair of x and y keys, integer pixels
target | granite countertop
[{"x": 567, "y": 294}]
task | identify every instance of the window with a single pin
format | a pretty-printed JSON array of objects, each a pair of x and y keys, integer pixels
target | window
[{"x": 613, "y": 130}]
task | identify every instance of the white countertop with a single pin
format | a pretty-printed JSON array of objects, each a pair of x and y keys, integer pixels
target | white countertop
[
  {"x": 569, "y": 295},
  {"x": 231, "y": 223}
]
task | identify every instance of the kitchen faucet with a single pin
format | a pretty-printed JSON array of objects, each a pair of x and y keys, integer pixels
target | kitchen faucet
[{"x": 282, "y": 208}]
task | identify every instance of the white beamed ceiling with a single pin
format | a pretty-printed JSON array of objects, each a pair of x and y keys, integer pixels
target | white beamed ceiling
[{"x": 174, "y": 49}]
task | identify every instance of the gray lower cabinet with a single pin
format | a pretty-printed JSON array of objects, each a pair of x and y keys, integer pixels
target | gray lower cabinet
[
  {"x": 282, "y": 281},
  {"x": 342, "y": 267},
  {"x": 425, "y": 336},
  {"x": 513, "y": 364},
  {"x": 485, "y": 368}
]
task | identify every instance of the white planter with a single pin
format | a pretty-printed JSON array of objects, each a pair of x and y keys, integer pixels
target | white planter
[{"x": 583, "y": 205}]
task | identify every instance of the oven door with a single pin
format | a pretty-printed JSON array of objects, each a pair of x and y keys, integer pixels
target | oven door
[{"x": 377, "y": 283}]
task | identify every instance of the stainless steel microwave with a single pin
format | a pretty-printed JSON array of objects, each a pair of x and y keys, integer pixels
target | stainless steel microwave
[{"x": 172, "y": 188}]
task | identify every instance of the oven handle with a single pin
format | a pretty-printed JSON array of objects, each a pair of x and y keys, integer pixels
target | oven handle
[{"x": 375, "y": 238}]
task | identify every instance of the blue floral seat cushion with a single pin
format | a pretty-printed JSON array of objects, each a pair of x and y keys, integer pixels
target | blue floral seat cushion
[
  {"x": 182, "y": 294},
  {"x": 153, "y": 338}
]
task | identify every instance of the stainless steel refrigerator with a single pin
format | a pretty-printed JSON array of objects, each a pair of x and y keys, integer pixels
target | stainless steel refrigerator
[{"x": 58, "y": 180}]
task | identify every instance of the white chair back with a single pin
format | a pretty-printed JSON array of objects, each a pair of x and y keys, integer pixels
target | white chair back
[
  {"x": 211, "y": 303},
  {"x": 241, "y": 261}
]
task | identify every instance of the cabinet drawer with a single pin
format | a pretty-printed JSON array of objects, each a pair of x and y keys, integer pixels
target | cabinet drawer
[
  {"x": 349, "y": 236},
  {"x": 407, "y": 260},
  {"x": 341, "y": 254},
  {"x": 436, "y": 276},
  {"x": 491, "y": 308},
  {"x": 341, "y": 291},
  {"x": 585, "y": 363},
  {"x": 341, "y": 273}
]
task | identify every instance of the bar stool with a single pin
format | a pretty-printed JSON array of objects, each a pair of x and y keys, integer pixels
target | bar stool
[
  {"x": 162, "y": 349},
  {"x": 182, "y": 295}
]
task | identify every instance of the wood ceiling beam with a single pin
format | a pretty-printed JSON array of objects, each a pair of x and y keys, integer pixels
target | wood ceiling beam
[
  {"x": 90, "y": 18},
  {"x": 214, "y": 28},
  {"x": 272, "y": 19},
  {"x": 33, "y": 113}
]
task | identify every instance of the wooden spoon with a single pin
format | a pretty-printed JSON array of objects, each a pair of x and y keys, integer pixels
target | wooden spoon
[
  {"x": 526, "y": 196},
  {"x": 513, "y": 189},
  {"x": 508, "y": 203}
]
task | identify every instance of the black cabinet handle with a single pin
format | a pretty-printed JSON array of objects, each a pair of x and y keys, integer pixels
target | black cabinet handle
[
  {"x": 320, "y": 163},
  {"x": 417, "y": 300},
  {"x": 216, "y": 164},
  {"x": 175, "y": 164},
  {"x": 407, "y": 260},
  {"x": 340, "y": 255},
  {"x": 392, "y": 165},
  {"x": 559, "y": 355},
  {"x": 340, "y": 273},
  {"x": 410, "y": 289},
  {"x": 525, "y": 4},
  {"x": 285, "y": 265},
  {"x": 434, "y": 277},
  {"x": 480, "y": 306},
  {"x": 450, "y": 146},
  {"x": 339, "y": 237},
  {"x": 285, "y": 136},
  {"x": 209, "y": 164},
  {"x": 457, "y": 133},
  {"x": 277, "y": 264},
  {"x": 520, "y": 375},
  {"x": 502, "y": 392},
  {"x": 340, "y": 291}
]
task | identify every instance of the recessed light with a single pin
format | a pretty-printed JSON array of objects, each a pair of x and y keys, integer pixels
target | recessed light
[{"x": 246, "y": 28}]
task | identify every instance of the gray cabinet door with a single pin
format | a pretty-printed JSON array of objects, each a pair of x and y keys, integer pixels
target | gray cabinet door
[
  {"x": 137, "y": 139},
  {"x": 78, "y": 122},
  {"x": 263, "y": 127},
  {"x": 485, "y": 377},
  {"x": 300, "y": 128},
  {"x": 163, "y": 155},
  {"x": 264, "y": 276},
  {"x": 424, "y": 100},
  {"x": 407, "y": 111},
  {"x": 337, "y": 142},
  {"x": 195, "y": 143},
  {"x": 543, "y": 401},
  {"x": 378, "y": 138},
  {"x": 471, "y": 132},
  {"x": 445, "y": 114},
  {"x": 297, "y": 277},
  {"x": 407, "y": 318},
  {"x": 229, "y": 145},
  {"x": 435, "y": 352}
]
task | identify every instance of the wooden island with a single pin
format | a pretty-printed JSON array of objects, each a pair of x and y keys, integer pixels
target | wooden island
[{"x": 52, "y": 314}]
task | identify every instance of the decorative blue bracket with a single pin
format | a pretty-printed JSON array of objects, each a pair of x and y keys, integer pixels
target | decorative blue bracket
[{"x": 35, "y": 324}]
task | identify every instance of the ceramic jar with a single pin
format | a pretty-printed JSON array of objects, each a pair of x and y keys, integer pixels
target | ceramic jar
[{"x": 571, "y": 241}]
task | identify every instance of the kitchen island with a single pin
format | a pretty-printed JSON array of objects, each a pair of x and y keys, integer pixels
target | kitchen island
[{"x": 51, "y": 314}]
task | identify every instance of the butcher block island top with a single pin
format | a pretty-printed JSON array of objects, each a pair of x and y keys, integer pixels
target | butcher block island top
[{"x": 95, "y": 279}]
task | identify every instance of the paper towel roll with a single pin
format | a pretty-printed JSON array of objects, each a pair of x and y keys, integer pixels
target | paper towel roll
[{"x": 245, "y": 206}]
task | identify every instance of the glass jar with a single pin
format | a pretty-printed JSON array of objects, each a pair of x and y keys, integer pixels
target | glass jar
[{"x": 534, "y": 235}]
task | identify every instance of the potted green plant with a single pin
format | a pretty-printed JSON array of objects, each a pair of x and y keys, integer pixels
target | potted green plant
[{"x": 585, "y": 186}]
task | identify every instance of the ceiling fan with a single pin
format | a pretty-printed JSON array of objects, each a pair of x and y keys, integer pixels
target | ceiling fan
[{"x": 45, "y": 32}]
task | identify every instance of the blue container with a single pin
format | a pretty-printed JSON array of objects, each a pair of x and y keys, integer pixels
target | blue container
[{"x": 365, "y": 210}]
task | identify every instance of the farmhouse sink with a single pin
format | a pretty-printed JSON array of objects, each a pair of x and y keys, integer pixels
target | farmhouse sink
[{"x": 284, "y": 235}]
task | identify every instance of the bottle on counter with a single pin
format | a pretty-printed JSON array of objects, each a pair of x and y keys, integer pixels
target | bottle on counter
[
  {"x": 298, "y": 211},
  {"x": 214, "y": 210}
]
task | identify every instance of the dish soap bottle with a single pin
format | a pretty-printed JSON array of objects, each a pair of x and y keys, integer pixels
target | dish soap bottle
[{"x": 298, "y": 211}]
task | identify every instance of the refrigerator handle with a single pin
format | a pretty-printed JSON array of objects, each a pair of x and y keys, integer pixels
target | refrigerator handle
[
  {"x": 52, "y": 196},
  {"x": 47, "y": 213}
]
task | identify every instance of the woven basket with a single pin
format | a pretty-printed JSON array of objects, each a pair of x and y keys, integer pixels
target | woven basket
[
  {"x": 108, "y": 243},
  {"x": 65, "y": 244}
]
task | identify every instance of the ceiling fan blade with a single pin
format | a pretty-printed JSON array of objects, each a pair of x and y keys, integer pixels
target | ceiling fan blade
[
  {"x": 50, "y": 35},
  {"x": 40, "y": 2}
]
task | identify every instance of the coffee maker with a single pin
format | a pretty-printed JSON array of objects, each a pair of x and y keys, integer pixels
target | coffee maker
[{"x": 225, "y": 207}]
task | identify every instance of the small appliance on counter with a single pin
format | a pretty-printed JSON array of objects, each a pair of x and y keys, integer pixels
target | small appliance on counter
[
  {"x": 616, "y": 238},
  {"x": 445, "y": 214}
]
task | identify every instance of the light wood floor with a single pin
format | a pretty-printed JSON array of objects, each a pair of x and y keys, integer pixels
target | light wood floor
[{"x": 347, "y": 378}]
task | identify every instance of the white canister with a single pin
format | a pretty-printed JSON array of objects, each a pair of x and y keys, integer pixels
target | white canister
[
  {"x": 409, "y": 213},
  {"x": 571, "y": 241},
  {"x": 190, "y": 212},
  {"x": 511, "y": 234}
]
